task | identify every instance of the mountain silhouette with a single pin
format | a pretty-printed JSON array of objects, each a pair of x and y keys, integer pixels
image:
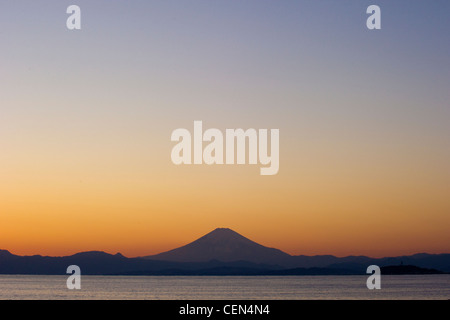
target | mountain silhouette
[
  {"x": 221, "y": 252},
  {"x": 225, "y": 245}
]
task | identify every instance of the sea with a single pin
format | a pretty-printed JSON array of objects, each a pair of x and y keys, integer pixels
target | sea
[{"x": 393, "y": 287}]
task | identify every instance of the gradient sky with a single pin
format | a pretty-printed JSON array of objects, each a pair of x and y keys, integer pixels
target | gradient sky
[{"x": 86, "y": 118}]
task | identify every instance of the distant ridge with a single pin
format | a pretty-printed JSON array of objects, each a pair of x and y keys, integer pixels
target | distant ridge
[
  {"x": 6, "y": 255},
  {"x": 225, "y": 245},
  {"x": 221, "y": 252}
]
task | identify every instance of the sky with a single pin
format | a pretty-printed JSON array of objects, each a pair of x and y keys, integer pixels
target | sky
[{"x": 86, "y": 118}]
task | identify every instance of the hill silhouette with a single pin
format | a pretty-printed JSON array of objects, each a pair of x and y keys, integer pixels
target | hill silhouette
[{"x": 408, "y": 269}]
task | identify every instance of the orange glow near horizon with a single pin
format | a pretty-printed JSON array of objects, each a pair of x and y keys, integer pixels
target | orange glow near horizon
[
  {"x": 142, "y": 213},
  {"x": 86, "y": 118}
]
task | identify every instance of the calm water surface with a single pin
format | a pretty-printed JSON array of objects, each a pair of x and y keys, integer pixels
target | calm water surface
[{"x": 228, "y": 287}]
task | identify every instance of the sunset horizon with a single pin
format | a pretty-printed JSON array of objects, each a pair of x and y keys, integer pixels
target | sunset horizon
[
  {"x": 144, "y": 252},
  {"x": 224, "y": 158},
  {"x": 139, "y": 128}
]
